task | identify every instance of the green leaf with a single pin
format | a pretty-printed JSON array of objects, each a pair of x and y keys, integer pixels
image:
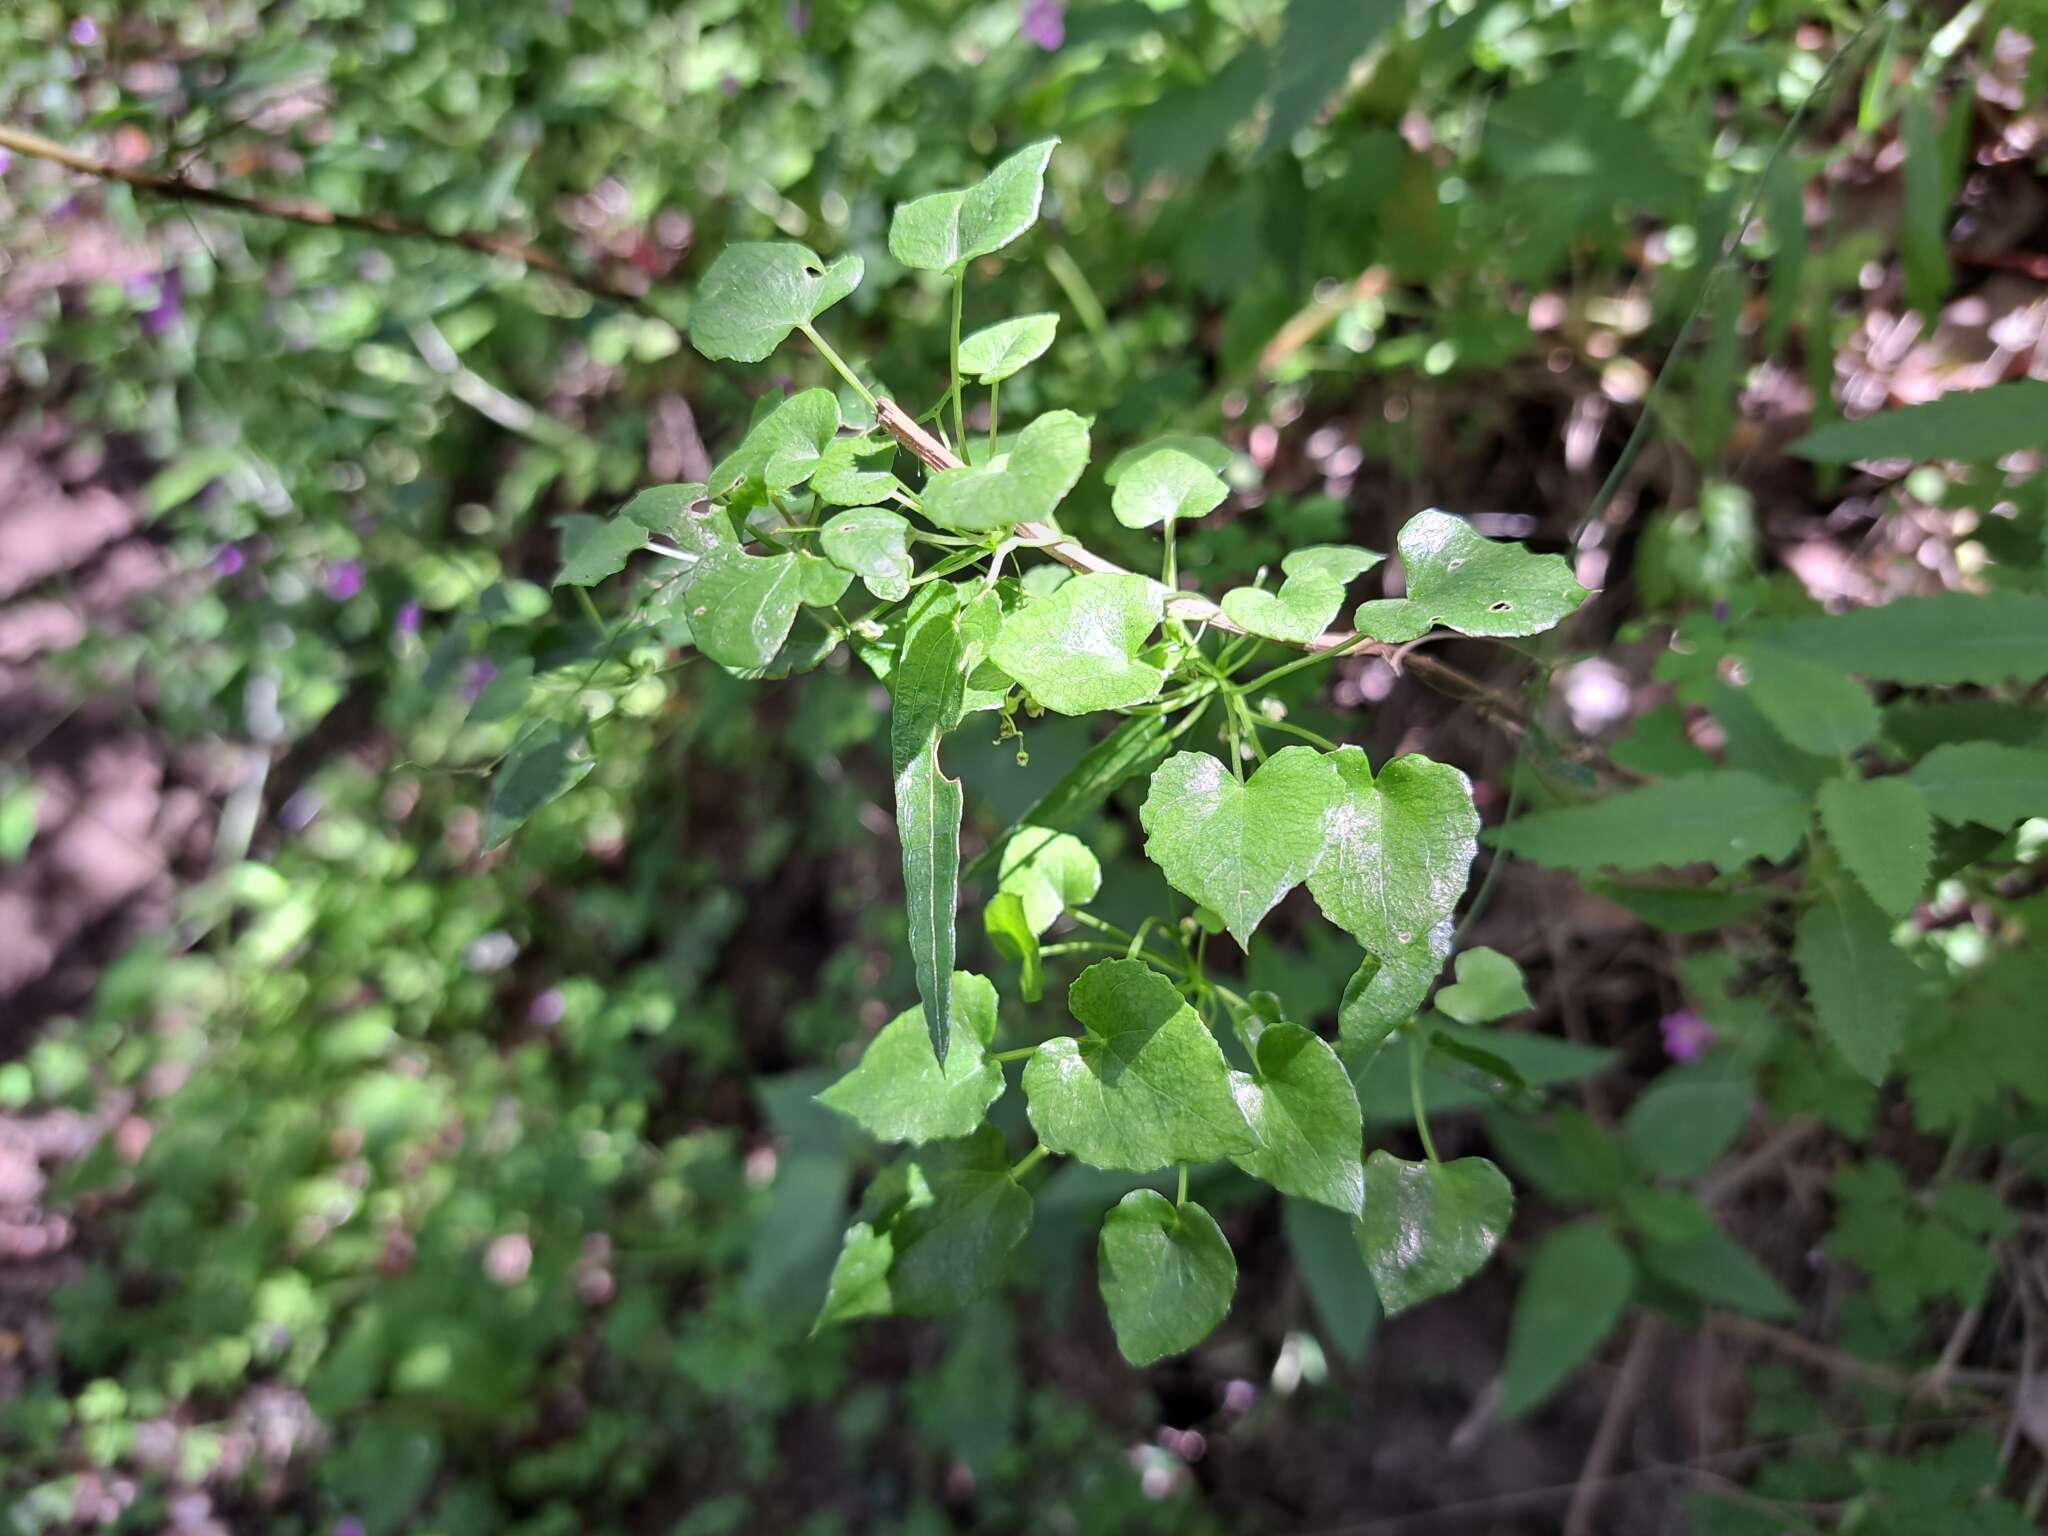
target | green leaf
[
  {"x": 937, "y": 1233},
  {"x": 1983, "y": 782},
  {"x": 1304, "y": 1111},
  {"x": 1137, "y": 746},
  {"x": 1076, "y": 650},
  {"x": 899, "y": 1091},
  {"x": 1461, "y": 581},
  {"x": 1043, "y": 464},
  {"x": 543, "y": 765},
  {"x": 672, "y": 510},
  {"x": 1166, "y": 486},
  {"x": 1815, "y": 707},
  {"x": 1489, "y": 987},
  {"x": 1577, "y": 1287},
  {"x": 1924, "y": 215},
  {"x": 1319, "y": 42},
  {"x": 1429, "y": 1227},
  {"x": 839, "y": 481},
  {"x": 1146, "y": 1086},
  {"x": 1237, "y": 848},
  {"x": 1715, "y": 1268},
  {"x": 1860, "y": 984},
  {"x": 1324, "y": 1246},
  {"x": 938, "y": 232},
  {"x": 757, "y": 292},
  {"x": 1209, "y": 451},
  {"x": 1687, "y": 1118},
  {"x": 1050, "y": 872},
  {"x": 742, "y": 606},
  {"x": 596, "y": 547},
  {"x": 1295, "y": 615},
  {"x": 1342, "y": 563},
  {"x": 1384, "y": 993},
  {"x": 1167, "y": 1275},
  {"x": 874, "y": 544},
  {"x": 1011, "y": 932},
  {"x": 1957, "y": 637},
  {"x": 820, "y": 583},
  {"x": 1683, "y": 910},
  {"x": 21, "y": 800},
  {"x": 1883, "y": 832},
  {"x": 780, "y": 451},
  {"x": 1397, "y": 848},
  {"x": 1001, "y": 350},
  {"x": 1724, "y": 818},
  {"x": 1966, "y": 425}
]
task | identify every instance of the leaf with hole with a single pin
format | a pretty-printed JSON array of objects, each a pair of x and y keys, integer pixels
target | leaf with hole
[
  {"x": 741, "y": 607},
  {"x": 757, "y": 292},
  {"x": 1458, "y": 580},
  {"x": 1167, "y": 1275},
  {"x": 1429, "y": 1227},
  {"x": 874, "y": 544},
  {"x": 940, "y": 231}
]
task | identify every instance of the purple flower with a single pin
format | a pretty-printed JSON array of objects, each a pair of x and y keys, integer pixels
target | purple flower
[
  {"x": 1045, "y": 23},
  {"x": 85, "y": 32},
  {"x": 480, "y": 674},
  {"x": 409, "y": 619},
  {"x": 548, "y": 1008},
  {"x": 349, "y": 1527},
  {"x": 229, "y": 561},
  {"x": 344, "y": 579},
  {"x": 799, "y": 16},
  {"x": 169, "y": 308},
  {"x": 5, "y": 161},
  {"x": 1686, "y": 1035}
]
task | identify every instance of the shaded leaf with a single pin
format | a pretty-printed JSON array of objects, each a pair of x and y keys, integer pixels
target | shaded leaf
[
  {"x": 1167, "y": 1275},
  {"x": 1812, "y": 705},
  {"x": 1429, "y": 1227},
  {"x": 1965, "y": 425},
  {"x": 1883, "y": 832},
  {"x": 1576, "y": 1289},
  {"x": 1860, "y": 984},
  {"x": 1983, "y": 782},
  {"x": 543, "y": 765},
  {"x": 1956, "y": 637},
  {"x": 1725, "y": 818},
  {"x": 741, "y": 607},
  {"x": 596, "y": 547},
  {"x": 1687, "y": 1118},
  {"x": 1324, "y": 1246}
]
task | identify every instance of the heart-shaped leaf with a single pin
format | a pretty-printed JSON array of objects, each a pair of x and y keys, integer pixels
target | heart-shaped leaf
[
  {"x": 1167, "y": 1275},
  {"x": 1398, "y": 848},
  {"x": 899, "y": 1091},
  {"x": 1342, "y": 563},
  {"x": 1166, "y": 486},
  {"x": 1043, "y": 464},
  {"x": 1011, "y": 932},
  {"x": 1076, "y": 650},
  {"x": 1211, "y": 452},
  {"x": 779, "y": 452},
  {"x": 1473, "y": 585},
  {"x": 1146, "y": 1086},
  {"x": 1302, "y": 1107},
  {"x": 1429, "y": 1227},
  {"x": 839, "y": 480},
  {"x": 1489, "y": 987},
  {"x": 757, "y": 292},
  {"x": 1385, "y": 991},
  {"x": 1007, "y": 347},
  {"x": 1049, "y": 872},
  {"x": 938, "y": 232},
  {"x": 1237, "y": 848},
  {"x": 741, "y": 607},
  {"x": 874, "y": 544}
]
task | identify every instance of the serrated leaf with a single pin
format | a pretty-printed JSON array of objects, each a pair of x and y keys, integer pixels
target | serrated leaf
[
  {"x": 1966, "y": 425},
  {"x": 1384, "y": 992},
  {"x": 1295, "y": 615},
  {"x": 1319, "y": 42},
  {"x": 779, "y": 452},
  {"x": 1302, "y": 1107},
  {"x": 938, "y": 232},
  {"x": 1687, "y": 1118},
  {"x": 1473, "y": 585},
  {"x": 1883, "y": 832},
  {"x": 1011, "y": 932},
  {"x": 1166, "y": 486},
  {"x": 874, "y": 544},
  {"x": 1397, "y": 848},
  {"x": 1043, "y": 464},
  {"x": 596, "y": 547},
  {"x": 741, "y": 607},
  {"x": 1076, "y": 650},
  {"x": 1429, "y": 1227},
  {"x": 1815, "y": 707},
  {"x": 757, "y": 292},
  {"x": 1860, "y": 984},
  {"x": 1002, "y": 350},
  {"x": 1237, "y": 848},
  {"x": 1167, "y": 1275},
  {"x": 1724, "y": 818},
  {"x": 1489, "y": 987},
  {"x": 899, "y": 1091},
  {"x": 1050, "y": 872},
  {"x": 1956, "y": 637},
  {"x": 1983, "y": 782},
  {"x": 1145, "y": 1086},
  {"x": 1576, "y": 1289},
  {"x": 1324, "y": 1247},
  {"x": 937, "y": 1232},
  {"x": 543, "y": 765}
]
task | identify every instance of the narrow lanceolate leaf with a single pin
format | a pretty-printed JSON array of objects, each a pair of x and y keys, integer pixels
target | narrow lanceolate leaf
[
  {"x": 900, "y": 1091},
  {"x": 1302, "y": 1107},
  {"x": 1489, "y": 987},
  {"x": 1883, "y": 832},
  {"x": 936, "y": 1232},
  {"x": 1385, "y": 992},
  {"x": 1166, "y": 486},
  {"x": 782, "y": 450},
  {"x": 757, "y": 292},
  {"x": 1724, "y": 818},
  {"x": 1023, "y": 486},
  {"x": 543, "y": 765},
  {"x": 1145, "y": 1086},
  {"x": 1458, "y": 580},
  {"x": 1429, "y": 1227},
  {"x": 1137, "y": 746},
  {"x": 1002, "y": 350},
  {"x": 1237, "y": 848},
  {"x": 1575, "y": 1292},
  {"x": 1984, "y": 782},
  {"x": 741, "y": 607},
  {"x": 938, "y": 232},
  {"x": 1816, "y": 707},
  {"x": 1957, "y": 637},
  {"x": 927, "y": 689},
  {"x": 1860, "y": 984},
  {"x": 1075, "y": 650},
  {"x": 874, "y": 544},
  {"x": 1397, "y": 848},
  {"x": 596, "y": 547},
  {"x": 1167, "y": 1275},
  {"x": 1966, "y": 425}
]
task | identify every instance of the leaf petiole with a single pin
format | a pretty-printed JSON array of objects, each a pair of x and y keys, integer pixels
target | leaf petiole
[
  {"x": 839, "y": 365},
  {"x": 1415, "y": 1096}
]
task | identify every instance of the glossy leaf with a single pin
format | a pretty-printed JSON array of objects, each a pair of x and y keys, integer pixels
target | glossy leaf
[
  {"x": 1302, "y": 1107},
  {"x": 1237, "y": 848},
  {"x": 1724, "y": 818},
  {"x": 1458, "y": 580},
  {"x": 780, "y": 451},
  {"x": 1576, "y": 1289},
  {"x": 899, "y": 1091},
  {"x": 1384, "y": 993},
  {"x": 1983, "y": 782},
  {"x": 1167, "y": 1275},
  {"x": 1015, "y": 939},
  {"x": 1489, "y": 987},
  {"x": 757, "y": 292},
  {"x": 874, "y": 544},
  {"x": 938, "y": 232},
  {"x": 839, "y": 480},
  {"x": 1049, "y": 872},
  {"x": 543, "y": 765},
  {"x": 1076, "y": 651},
  {"x": 1004, "y": 349},
  {"x": 1861, "y": 986},
  {"x": 1166, "y": 486},
  {"x": 1883, "y": 832},
  {"x": 741, "y": 607},
  {"x": 596, "y": 547},
  {"x": 1429, "y": 1227},
  {"x": 1043, "y": 464},
  {"x": 1397, "y": 848},
  {"x": 1146, "y": 1085}
]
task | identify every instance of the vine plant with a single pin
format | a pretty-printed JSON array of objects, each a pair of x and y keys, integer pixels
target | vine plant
[{"x": 965, "y": 620}]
